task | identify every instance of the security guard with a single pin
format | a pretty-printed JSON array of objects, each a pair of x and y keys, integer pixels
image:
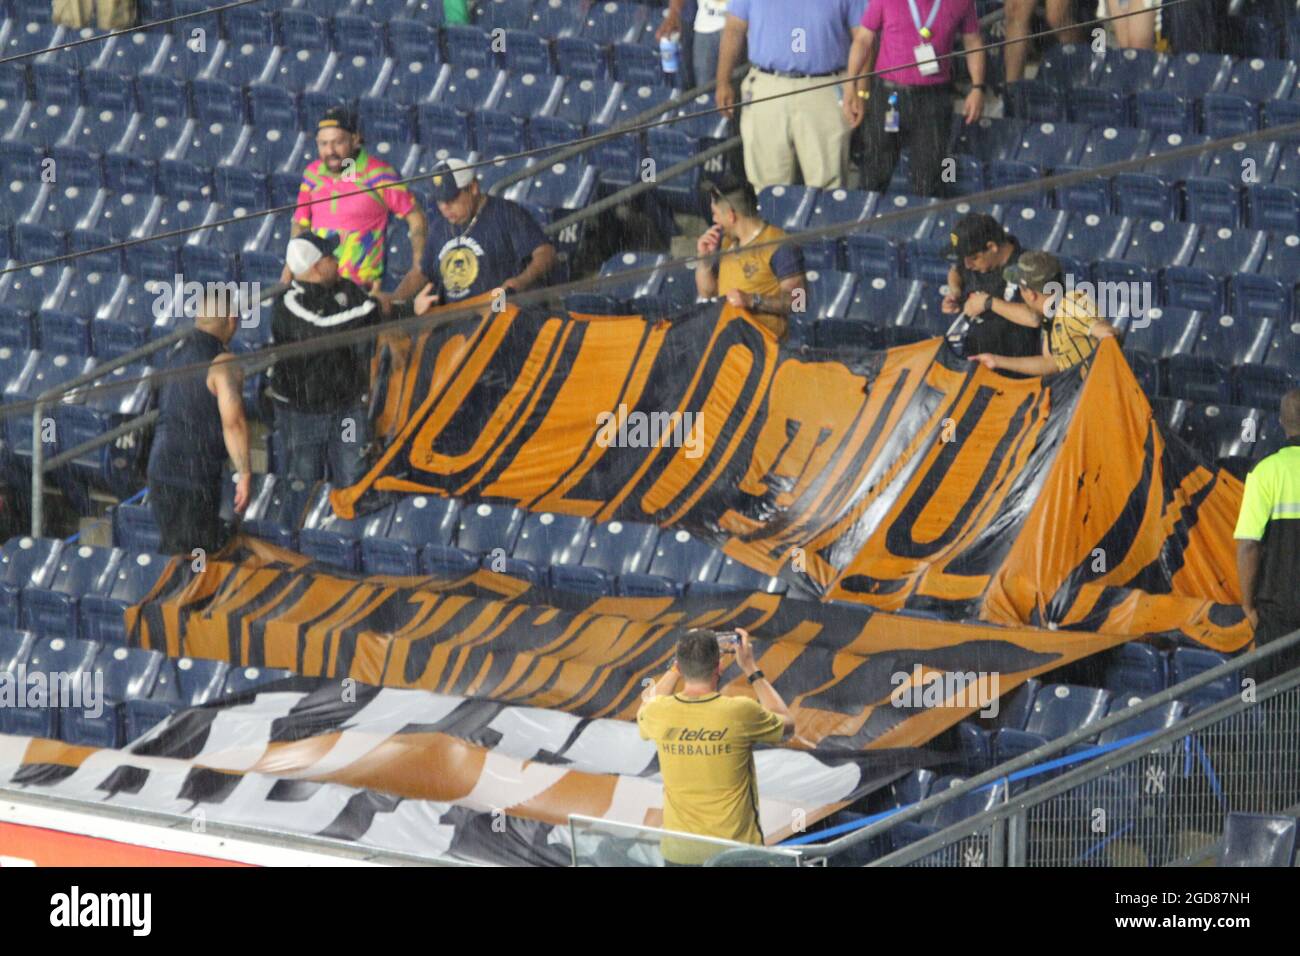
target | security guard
[{"x": 1268, "y": 545}]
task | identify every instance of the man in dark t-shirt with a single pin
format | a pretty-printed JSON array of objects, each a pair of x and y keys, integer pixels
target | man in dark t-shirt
[
  {"x": 1000, "y": 322},
  {"x": 478, "y": 244}
]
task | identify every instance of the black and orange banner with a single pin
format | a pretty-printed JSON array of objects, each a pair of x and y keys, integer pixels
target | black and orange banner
[{"x": 906, "y": 480}]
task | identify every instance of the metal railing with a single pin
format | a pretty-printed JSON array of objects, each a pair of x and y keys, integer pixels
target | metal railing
[
  {"x": 1022, "y": 766},
  {"x": 1160, "y": 800},
  {"x": 41, "y": 465},
  {"x": 597, "y": 842}
]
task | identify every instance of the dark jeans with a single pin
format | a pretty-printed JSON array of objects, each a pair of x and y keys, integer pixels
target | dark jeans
[
  {"x": 329, "y": 445},
  {"x": 924, "y": 118},
  {"x": 1274, "y": 624},
  {"x": 188, "y": 518}
]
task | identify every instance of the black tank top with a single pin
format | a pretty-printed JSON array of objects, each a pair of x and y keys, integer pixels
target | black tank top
[{"x": 188, "y": 447}]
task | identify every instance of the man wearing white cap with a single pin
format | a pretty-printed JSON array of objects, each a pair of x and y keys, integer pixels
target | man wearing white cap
[
  {"x": 478, "y": 244},
  {"x": 321, "y": 414}
]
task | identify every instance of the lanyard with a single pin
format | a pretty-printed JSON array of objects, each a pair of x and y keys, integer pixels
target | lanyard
[{"x": 916, "y": 18}]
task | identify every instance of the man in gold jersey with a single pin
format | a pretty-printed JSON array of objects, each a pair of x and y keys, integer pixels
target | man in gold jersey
[
  {"x": 705, "y": 744},
  {"x": 760, "y": 273}
]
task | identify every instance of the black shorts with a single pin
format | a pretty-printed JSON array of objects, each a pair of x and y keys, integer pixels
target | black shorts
[
  {"x": 188, "y": 518},
  {"x": 1274, "y": 624}
]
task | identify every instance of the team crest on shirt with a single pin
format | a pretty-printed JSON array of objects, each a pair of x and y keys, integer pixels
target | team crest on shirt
[
  {"x": 749, "y": 267},
  {"x": 458, "y": 261}
]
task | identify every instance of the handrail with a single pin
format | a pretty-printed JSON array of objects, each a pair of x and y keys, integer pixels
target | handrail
[
  {"x": 51, "y": 396},
  {"x": 1227, "y": 707},
  {"x": 568, "y": 152},
  {"x": 1051, "y": 748}
]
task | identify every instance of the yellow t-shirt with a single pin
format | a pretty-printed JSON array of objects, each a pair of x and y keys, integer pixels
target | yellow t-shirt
[
  {"x": 757, "y": 271},
  {"x": 705, "y": 755},
  {"x": 1069, "y": 339}
]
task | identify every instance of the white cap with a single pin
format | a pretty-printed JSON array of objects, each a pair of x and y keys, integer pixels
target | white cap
[
  {"x": 446, "y": 187},
  {"x": 307, "y": 250}
]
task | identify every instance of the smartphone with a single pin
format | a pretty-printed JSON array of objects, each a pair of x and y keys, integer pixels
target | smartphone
[{"x": 727, "y": 640}]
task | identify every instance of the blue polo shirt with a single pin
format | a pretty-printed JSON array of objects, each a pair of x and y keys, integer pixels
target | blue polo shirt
[{"x": 827, "y": 27}]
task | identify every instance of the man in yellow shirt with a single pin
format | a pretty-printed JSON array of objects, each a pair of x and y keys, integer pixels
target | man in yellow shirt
[
  {"x": 1074, "y": 329},
  {"x": 763, "y": 279},
  {"x": 1268, "y": 545},
  {"x": 705, "y": 744}
]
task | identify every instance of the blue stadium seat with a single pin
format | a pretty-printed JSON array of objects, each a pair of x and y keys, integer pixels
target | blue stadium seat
[
  {"x": 359, "y": 63},
  {"x": 90, "y": 292},
  {"x": 734, "y": 576},
  {"x": 128, "y": 673},
  {"x": 135, "y": 530},
  {"x": 1224, "y": 114},
  {"x": 1094, "y": 106},
  {"x": 1143, "y": 196},
  {"x": 24, "y": 561},
  {"x": 1276, "y": 208},
  {"x": 506, "y": 14},
  {"x": 69, "y": 659},
  {"x": 465, "y": 46},
  {"x": 382, "y": 11},
  {"x": 102, "y": 611},
  {"x": 1109, "y": 144},
  {"x": 1177, "y": 169},
  {"x": 1067, "y": 66},
  {"x": 620, "y": 548},
  {"x": 829, "y": 295},
  {"x": 1156, "y": 244},
  {"x": 1194, "y": 74},
  {"x": 1049, "y": 145},
  {"x": 581, "y": 59},
  {"x": 337, "y": 541},
  {"x": 589, "y": 102},
  {"x": 988, "y": 139},
  {"x": 614, "y": 22},
  {"x": 243, "y": 680},
  {"x": 413, "y": 42},
  {"x": 131, "y": 55},
  {"x": 555, "y": 18},
  {"x": 1034, "y": 101},
  {"x": 526, "y": 53},
  {"x": 1129, "y": 70},
  {"x": 446, "y": 561},
  {"x": 1258, "y": 79},
  {"x": 1195, "y": 378},
  {"x": 277, "y": 510},
  {"x": 185, "y": 682},
  {"x": 881, "y": 301},
  {"x": 483, "y": 527},
  {"x": 788, "y": 207},
  {"x": 568, "y": 186},
  {"x": 588, "y": 583},
  {"x": 1255, "y": 839},
  {"x": 1189, "y": 662},
  {"x": 552, "y": 539},
  {"x": 1088, "y": 237},
  {"x": 15, "y": 649},
  {"x": 1164, "y": 111},
  {"x": 1261, "y": 386},
  {"x": 1058, "y": 709},
  {"x": 1236, "y": 341},
  {"x": 1136, "y": 668},
  {"x": 948, "y": 814},
  {"x": 1220, "y": 431},
  {"x": 637, "y": 65},
  {"x": 188, "y": 55},
  {"x": 417, "y": 520}
]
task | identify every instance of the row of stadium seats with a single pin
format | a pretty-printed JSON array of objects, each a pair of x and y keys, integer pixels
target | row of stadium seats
[
  {"x": 140, "y": 687},
  {"x": 1191, "y": 92},
  {"x": 423, "y": 534}
]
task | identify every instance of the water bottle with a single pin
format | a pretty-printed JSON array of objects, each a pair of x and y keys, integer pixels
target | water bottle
[{"x": 670, "y": 49}]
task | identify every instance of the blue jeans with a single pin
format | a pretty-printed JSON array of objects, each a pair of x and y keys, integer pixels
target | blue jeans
[
  {"x": 704, "y": 54},
  {"x": 328, "y": 445}
]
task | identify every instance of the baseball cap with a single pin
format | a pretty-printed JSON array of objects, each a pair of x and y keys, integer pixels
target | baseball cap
[
  {"x": 1033, "y": 270},
  {"x": 972, "y": 233},
  {"x": 338, "y": 117},
  {"x": 307, "y": 250},
  {"x": 450, "y": 176}
]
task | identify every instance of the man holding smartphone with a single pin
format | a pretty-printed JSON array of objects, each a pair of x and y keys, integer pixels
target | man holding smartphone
[{"x": 706, "y": 742}]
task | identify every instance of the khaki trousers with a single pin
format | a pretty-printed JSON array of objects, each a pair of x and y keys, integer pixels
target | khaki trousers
[{"x": 805, "y": 133}]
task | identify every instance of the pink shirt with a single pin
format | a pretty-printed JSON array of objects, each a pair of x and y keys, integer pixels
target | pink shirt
[
  {"x": 896, "y": 36},
  {"x": 356, "y": 210}
]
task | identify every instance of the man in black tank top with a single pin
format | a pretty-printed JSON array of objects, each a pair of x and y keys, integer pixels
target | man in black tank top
[{"x": 200, "y": 422}]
